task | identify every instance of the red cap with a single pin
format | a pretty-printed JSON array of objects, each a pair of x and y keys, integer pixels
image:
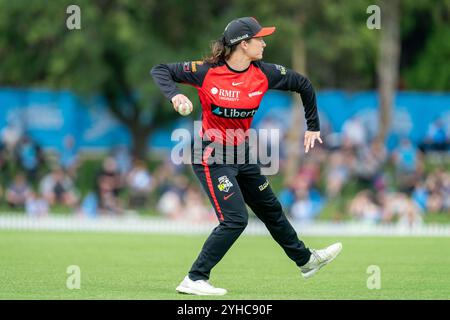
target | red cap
[{"x": 266, "y": 31}]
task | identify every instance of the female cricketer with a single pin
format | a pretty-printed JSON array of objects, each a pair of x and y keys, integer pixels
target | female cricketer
[{"x": 231, "y": 83}]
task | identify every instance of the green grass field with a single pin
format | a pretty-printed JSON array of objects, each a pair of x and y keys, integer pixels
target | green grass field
[{"x": 142, "y": 266}]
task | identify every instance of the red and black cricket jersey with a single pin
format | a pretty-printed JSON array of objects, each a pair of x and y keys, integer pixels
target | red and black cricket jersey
[{"x": 230, "y": 98}]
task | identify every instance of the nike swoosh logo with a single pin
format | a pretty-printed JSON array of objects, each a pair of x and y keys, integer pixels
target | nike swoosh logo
[
  {"x": 228, "y": 196},
  {"x": 236, "y": 83}
]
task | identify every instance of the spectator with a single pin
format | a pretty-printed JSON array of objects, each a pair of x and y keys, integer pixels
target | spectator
[
  {"x": 337, "y": 173},
  {"x": 36, "y": 206},
  {"x": 177, "y": 183},
  {"x": 57, "y": 188},
  {"x": 122, "y": 157},
  {"x": 4, "y": 165},
  {"x": 399, "y": 206},
  {"x": 163, "y": 174},
  {"x": 11, "y": 134},
  {"x": 287, "y": 197},
  {"x": 68, "y": 159},
  {"x": 195, "y": 208},
  {"x": 108, "y": 187},
  {"x": 309, "y": 172},
  {"x": 420, "y": 195},
  {"x": 349, "y": 151},
  {"x": 173, "y": 190},
  {"x": 407, "y": 165},
  {"x": 437, "y": 138},
  {"x": 365, "y": 208},
  {"x": 140, "y": 184},
  {"x": 18, "y": 191},
  {"x": 445, "y": 187},
  {"x": 369, "y": 163},
  {"x": 89, "y": 206},
  {"x": 29, "y": 156},
  {"x": 308, "y": 203},
  {"x": 170, "y": 205},
  {"x": 437, "y": 191},
  {"x": 354, "y": 131}
]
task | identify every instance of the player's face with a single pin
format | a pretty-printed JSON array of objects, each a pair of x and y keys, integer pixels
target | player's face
[{"x": 255, "y": 48}]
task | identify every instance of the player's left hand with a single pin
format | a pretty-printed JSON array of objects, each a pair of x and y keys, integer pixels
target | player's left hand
[{"x": 310, "y": 137}]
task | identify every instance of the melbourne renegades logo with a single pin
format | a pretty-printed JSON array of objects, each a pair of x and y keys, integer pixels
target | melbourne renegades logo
[{"x": 224, "y": 184}]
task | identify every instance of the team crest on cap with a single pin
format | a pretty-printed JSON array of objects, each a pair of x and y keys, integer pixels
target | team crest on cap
[{"x": 243, "y": 37}]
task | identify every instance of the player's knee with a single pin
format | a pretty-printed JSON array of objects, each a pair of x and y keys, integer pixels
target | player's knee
[
  {"x": 236, "y": 223},
  {"x": 276, "y": 206},
  {"x": 273, "y": 206},
  {"x": 270, "y": 212},
  {"x": 242, "y": 223}
]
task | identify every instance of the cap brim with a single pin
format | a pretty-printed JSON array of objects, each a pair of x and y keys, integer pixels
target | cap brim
[{"x": 265, "y": 32}]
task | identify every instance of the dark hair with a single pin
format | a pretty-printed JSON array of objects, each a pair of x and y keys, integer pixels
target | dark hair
[{"x": 219, "y": 51}]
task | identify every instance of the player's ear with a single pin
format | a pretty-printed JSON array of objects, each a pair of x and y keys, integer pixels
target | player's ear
[{"x": 244, "y": 44}]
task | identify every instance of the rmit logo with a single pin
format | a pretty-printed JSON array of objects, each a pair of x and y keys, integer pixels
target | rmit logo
[
  {"x": 229, "y": 95},
  {"x": 233, "y": 112}
]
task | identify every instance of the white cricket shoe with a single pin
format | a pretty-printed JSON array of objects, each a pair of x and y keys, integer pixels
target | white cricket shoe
[
  {"x": 319, "y": 258},
  {"x": 199, "y": 287}
]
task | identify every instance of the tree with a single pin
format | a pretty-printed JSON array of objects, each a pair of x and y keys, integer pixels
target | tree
[
  {"x": 388, "y": 62},
  {"x": 297, "y": 126},
  {"x": 425, "y": 45},
  {"x": 111, "y": 55}
]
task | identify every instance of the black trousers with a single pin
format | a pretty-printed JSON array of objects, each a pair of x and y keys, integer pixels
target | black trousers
[{"x": 229, "y": 187}]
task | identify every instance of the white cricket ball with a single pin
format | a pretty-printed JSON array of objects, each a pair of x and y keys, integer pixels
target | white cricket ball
[{"x": 184, "y": 109}]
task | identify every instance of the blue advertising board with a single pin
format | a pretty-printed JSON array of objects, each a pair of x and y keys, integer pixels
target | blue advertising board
[{"x": 48, "y": 115}]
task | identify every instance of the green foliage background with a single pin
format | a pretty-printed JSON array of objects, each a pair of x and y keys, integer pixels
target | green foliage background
[{"x": 121, "y": 40}]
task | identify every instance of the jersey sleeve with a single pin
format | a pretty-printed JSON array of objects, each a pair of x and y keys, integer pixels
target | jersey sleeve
[
  {"x": 281, "y": 78},
  {"x": 167, "y": 75}
]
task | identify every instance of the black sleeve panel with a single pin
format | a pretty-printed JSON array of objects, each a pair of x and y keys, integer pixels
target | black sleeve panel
[
  {"x": 281, "y": 78},
  {"x": 167, "y": 75}
]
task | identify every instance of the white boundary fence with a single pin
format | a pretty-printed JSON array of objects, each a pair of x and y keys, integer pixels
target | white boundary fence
[{"x": 164, "y": 226}]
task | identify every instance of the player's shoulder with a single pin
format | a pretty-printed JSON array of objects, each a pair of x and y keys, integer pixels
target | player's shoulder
[{"x": 270, "y": 68}]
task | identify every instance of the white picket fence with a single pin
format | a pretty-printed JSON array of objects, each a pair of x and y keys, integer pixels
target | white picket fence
[{"x": 136, "y": 224}]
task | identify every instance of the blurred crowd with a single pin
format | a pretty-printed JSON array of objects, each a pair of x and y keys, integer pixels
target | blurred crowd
[
  {"x": 362, "y": 178},
  {"x": 354, "y": 173},
  {"x": 36, "y": 184}
]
